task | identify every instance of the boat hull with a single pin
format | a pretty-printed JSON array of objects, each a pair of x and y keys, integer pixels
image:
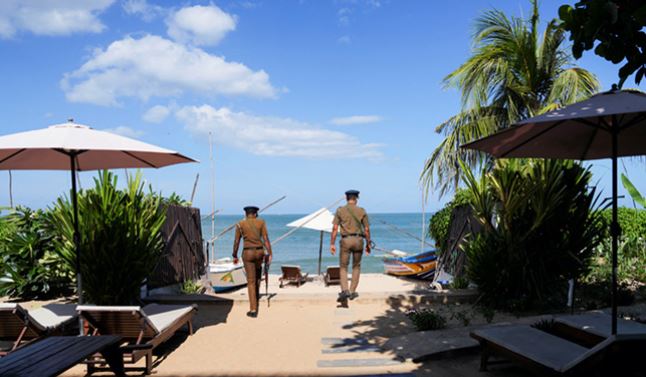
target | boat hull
[
  {"x": 225, "y": 275},
  {"x": 420, "y": 266}
]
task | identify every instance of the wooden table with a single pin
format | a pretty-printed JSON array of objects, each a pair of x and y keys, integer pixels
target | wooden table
[{"x": 56, "y": 354}]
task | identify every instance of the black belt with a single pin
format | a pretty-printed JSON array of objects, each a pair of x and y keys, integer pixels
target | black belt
[
  {"x": 352, "y": 235},
  {"x": 253, "y": 248}
]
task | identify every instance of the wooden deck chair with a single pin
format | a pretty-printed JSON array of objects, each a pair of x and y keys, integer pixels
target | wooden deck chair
[
  {"x": 142, "y": 328},
  {"x": 549, "y": 355},
  {"x": 20, "y": 326},
  {"x": 292, "y": 274},
  {"x": 332, "y": 275},
  {"x": 590, "y": 329}
]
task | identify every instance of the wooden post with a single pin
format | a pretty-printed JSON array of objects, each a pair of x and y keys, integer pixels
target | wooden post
[{"x": 320, "y": 252}]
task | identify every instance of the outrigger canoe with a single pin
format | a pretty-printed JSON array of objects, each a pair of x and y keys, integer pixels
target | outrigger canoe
[{"x": 420, "y": 266}]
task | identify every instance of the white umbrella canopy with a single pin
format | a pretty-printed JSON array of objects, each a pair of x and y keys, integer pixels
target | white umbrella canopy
[
  {"x": 50, "y": 149},
  {"x": 320, "y": 220},
  {"x": 75, "y": 147}
]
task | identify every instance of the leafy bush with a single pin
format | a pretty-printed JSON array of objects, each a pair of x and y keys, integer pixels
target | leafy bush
[
  {"x": 120, "y": 237},
  {"x": 190, "y": 287},
  {"x": 460, "y": 282},
  {"x": 30, "y": 268},
  {"x": 597, "y": 295},
  {"x": 631, "y": 261},
  {"x": 439, "y": 223},
  {"x": 632, "y": 222},
  {"x": 539, "y": 230},
  {"x": 175, "y": 199},
  {"x": 426, "y": 319}
]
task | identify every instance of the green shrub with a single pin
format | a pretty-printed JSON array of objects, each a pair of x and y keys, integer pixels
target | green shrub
[
  {"x": 597, "y": 295},
  {"x": 30, "y": 268},
  {"x": 439, "y": 223},
  {"x": 426, "y": 319},
  {"x": 632, "y": 222},
  {"x": 460, "y": 282},
  {"x": 190, "y": 287},
  {"x": 631, "y": 261},
  {"x": 120, "y": 238},
  {"x": 539, "y": 230}
]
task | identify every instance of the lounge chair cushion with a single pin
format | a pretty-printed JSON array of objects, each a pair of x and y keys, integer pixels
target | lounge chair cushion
[
  {"x": 52, "y": 316},
  {"x": 163, "y": 316},
  {"x": 599, "y": 324},
  {"x": 536, "y": 345}
]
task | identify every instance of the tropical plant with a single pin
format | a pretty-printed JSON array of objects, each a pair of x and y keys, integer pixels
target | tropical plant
[
  {"x": 632, "y": 191},
  {"x": 176, "y": 199},
  {"x": 539, "y": 229},
  {"x": 513, "y": 73},
  {"x": 427, "y": 319},
  {"x": 30, "y": 268},
  {"x": 438, "y": 225},
  {"x": 614, "y": 28},
  {"x": 120, "y": 238}
]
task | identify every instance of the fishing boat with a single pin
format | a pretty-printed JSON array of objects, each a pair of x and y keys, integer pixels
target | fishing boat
[
  {"x": 420, "y": 266},
  {"x": 226, "y": 275}
]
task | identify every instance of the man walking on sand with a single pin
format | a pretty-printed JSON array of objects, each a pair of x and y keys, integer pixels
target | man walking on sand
[
  {"x": 355, "y": 227},
  {"x": 254, "y": 232}
]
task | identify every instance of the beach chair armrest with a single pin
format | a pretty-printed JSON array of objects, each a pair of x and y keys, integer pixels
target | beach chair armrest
[{"x": 136, "y": 347}]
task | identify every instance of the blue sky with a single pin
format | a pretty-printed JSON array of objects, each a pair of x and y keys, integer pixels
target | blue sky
[{"x": 303, "y": 98}]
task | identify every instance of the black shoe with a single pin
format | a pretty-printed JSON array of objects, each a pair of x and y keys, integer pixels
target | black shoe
[
  {"x": 343, "y": 296},
  {"x": 353, "y": 295},
  {"x": 252, "y": 314}
]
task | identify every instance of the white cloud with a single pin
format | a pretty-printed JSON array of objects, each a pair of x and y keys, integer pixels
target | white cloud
[
  {"x": 273, "y": 136},
  {"x": 344, "y": 40},
  {"x": 154, "y": 66},
  {"x": 356, "y": 119},
  {"x": 46, "y": 17},
  {"x": 125, "y": 131},
  {"x": 200, "y": 25},
  {"x": 143, "y": 9},
  {"x": 156, "y": 114}
]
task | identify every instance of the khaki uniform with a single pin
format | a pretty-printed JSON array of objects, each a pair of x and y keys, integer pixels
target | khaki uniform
[
  {"x": 352, "y": 236},
  {"x": 253, "y": 231}
]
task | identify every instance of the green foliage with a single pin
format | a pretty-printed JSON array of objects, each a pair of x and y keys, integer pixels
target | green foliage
[
  {"x": 460, "y": 282},
  {"x": 427, "y": 319},
  {"x": 30, "y": 268},
  {"x": 632, "y": 190},
  {"x": 190, "y": 287},
  {"x": 175, "y": 199},
  {"x": 615, "y": 27},
  {"x": 487, "y": 313},
  {"x": 591, "y": 295},
  {"x": 514, "y": 72},
  {"x": 463, "y": 317},
  {"x": 539, "y": 230},
  {"x": 631, "y": 261},
  {"x": 120, "y": 237},
  {"x": 632, "y": 222},
  {"x": 439, "y": 223}
]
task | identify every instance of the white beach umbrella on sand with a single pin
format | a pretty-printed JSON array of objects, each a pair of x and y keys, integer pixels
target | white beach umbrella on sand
[
  {"x": 75, "y": 147},
  {"x": 320, "y": 220}
]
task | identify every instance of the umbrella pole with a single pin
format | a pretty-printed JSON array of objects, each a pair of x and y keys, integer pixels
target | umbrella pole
[
  {"x": 614, "y": 230},
  {"x": 76, "y": 236},
  {"x": 320, "y": 252}
]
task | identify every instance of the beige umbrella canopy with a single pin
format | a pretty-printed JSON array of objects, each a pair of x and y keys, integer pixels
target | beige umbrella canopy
[
  {"x": 320, "y": 220},
  {"x": 75, "y": 147},
  {"x": 607, "y": 125}
]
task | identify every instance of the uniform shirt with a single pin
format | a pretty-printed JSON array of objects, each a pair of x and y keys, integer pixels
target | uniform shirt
[
  {"x": 346, "y": 221},
  {"x": 252, "y": 231}
]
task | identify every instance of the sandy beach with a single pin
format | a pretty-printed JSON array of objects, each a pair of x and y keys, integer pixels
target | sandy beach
[{"x": 304, "y": 331}]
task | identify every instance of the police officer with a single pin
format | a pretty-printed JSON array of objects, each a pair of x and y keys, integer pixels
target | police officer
[
  {"x": 254, "y": 232},
  {"x": 354, "y": 225}
]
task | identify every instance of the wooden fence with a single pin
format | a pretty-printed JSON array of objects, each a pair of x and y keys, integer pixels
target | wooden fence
[{"x": 183, "y": 257}]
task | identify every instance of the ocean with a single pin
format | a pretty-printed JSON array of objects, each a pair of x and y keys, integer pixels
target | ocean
[{"x": 302, "y": 246}]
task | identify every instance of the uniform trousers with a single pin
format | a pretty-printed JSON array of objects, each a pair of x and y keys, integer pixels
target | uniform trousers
[
  {"x": 252, "y": 260},
  {"x": 350, "y": 246}
]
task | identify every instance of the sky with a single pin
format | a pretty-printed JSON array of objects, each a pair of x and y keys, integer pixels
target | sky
[{"x": 301, "y": 98}]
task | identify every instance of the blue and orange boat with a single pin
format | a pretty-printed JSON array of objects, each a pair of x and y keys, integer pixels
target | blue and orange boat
[{"x": 419, "y": 266}]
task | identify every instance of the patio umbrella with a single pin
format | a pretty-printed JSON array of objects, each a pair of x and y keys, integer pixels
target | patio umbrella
[
  {"x": 607, "y": 125},
  {"x": 320, "y": 220},
  {"x": 75, "y": 147}
]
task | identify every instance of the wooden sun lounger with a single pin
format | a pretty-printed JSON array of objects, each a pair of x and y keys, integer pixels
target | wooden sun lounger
[
  {"x": 56, "y": 354},
  {"x": 332, "y": 275},
  {"x": 292, "y": 274},
  {"x": 549, "y": 355},
  {"x": 591, "y": 328},
  {"x": 20, "y": 326},
  {"x": 142, "y": 328}
]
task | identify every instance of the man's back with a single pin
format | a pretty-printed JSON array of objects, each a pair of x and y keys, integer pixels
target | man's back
[{"x": 352, "y": 219}]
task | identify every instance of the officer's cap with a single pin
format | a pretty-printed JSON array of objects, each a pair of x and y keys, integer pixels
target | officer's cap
[
  {"x": 251, "y": 209},
  {"x": 352, "y": 193}
]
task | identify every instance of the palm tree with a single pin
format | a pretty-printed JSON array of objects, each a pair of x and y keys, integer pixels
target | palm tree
[{"x": 512, "y": 74}]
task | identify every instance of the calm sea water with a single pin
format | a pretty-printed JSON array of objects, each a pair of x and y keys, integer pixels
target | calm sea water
[{"x": 302, "y": 246}]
